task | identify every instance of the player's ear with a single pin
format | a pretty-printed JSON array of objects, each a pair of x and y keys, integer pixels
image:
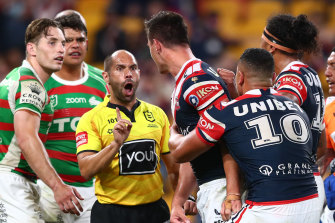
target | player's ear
[
  {"x": 31, "y": 49},
  {"x": 105, "y": 76},
  {"x": 274, "y": 75},
  {"x": 157, "y": 45},
  {"x": 241, "y": 78}
]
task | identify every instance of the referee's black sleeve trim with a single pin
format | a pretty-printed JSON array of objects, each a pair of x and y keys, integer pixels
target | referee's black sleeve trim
[
  {"x": 87, "y": 151},
  {"x": 165, "y": 153}
]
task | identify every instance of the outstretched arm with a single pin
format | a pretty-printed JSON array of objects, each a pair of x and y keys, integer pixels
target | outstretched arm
[{"x": 26, "y": 126}]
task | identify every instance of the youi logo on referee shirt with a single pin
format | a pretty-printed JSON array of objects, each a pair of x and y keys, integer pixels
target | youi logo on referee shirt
[{"x": 138, "y": 157}]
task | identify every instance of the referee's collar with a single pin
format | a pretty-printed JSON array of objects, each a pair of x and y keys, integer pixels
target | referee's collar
[{"x": 129, "y": 114}]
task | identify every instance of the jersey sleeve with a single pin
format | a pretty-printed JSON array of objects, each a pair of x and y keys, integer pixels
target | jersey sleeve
[
  {"x": 30, "y": 95},
  {"x": 165, "y": 133},
  {"x": 203, "y": 91},
  {"x": 292, "y": 83},
  {"x": 209, "y": 129},
  {"x": 87, "y": 136}
]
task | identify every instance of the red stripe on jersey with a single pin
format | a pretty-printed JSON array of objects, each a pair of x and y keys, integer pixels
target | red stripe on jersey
[
  {"x": 316, "y": 174},
  {"x": 294, "y": 82},
  {"x": 4, "y": 103},
  {"x": 6, "y": 126},
  {"x": 43, "y": 137},
  {"x": 70, "y": 112},
  {"x": 3, "y": 148},
  {"x": 282, "y": 202},
  {"x": 46, "y": 117},
  {"x": 62, "y": 136},
  {"x": 72, "y": 178},
  {"x": 17, "y": 96},
  {"x": 245, "y": 96},
  {"x": 62, "y": 155},
  {"x": 64, "y": 89},
  {"x": 24, "y": 172},
  {"x": 292, "y": 93},
  {"x": 185, "y": 68},
  {"x": 27, "y": 77},
  {"x": 202, "y": 139},
  {"x": 213, "y": 130}
]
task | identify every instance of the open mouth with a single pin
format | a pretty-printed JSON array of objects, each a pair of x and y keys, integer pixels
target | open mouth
[
  {"x": 60, "y": 59},
  {"x": 128, "y": 89},
  {"x": 75, "y": 54}
]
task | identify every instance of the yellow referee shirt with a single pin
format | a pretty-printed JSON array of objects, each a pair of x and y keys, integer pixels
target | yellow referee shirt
[{"x": 133, "y": 177}]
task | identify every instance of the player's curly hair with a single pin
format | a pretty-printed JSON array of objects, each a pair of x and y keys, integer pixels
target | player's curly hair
[{"x": 296, "y": 32}]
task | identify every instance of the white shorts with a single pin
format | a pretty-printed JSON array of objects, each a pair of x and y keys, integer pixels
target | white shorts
[
  {"x": 307, "y": 211},
  {"x": 52, "y": 213},
  {"x": 18, "y": 199},
  {"x": 328, "y": 216},
  {"x": 209, "y": 200},
  {"x": 321, "y": 191}
]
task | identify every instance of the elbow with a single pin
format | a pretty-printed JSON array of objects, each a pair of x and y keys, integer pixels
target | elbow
[{"x": 85, "y": 173}]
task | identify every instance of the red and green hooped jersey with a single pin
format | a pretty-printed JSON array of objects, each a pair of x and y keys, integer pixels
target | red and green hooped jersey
[
  {"x": 20, "y": 90},
  {"x": 70, "y": 100}
]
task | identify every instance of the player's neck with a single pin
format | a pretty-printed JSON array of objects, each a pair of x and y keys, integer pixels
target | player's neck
[
  {"x": 42, "y": 73},
  {"x": 177, "y": 57},
  {"x": 71, "y": 73},
  {"x": 281, "y": 61}
]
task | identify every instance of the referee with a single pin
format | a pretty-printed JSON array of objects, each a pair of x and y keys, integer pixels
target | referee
[{"x": 121, "y": 142}]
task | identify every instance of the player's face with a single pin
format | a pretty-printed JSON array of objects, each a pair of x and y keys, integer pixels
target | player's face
[
  {"x": 75, "y": 47},
  {"x": 265, "y": 45},
  {"x": 162, "y": 68},
  {"x": 49, "y": 50},
  {"x": 330, "y": 73},
  {"x": 124, "y": 78}
]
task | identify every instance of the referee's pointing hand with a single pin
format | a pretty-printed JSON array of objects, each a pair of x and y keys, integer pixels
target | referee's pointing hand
[{"x": 121, "y": 129}]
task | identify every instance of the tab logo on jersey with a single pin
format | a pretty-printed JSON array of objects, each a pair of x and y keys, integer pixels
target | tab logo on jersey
[
  {"x": 149, "y": 116},
  {"x": 81, "y": 138},
  {"x": 54, "y": 100},
  {"x": 138, "y": 157},
  {"x": 31, "y": 93}
]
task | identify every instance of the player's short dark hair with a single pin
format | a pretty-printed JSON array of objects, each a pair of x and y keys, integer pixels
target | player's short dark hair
[
  {"x": 72, "y": 21},
  {"x": 167, "y": 27},
  {"x": 258, "y": 61},
  {"x": 296, "y": 32},
  {"x": 38, "y": 28}
]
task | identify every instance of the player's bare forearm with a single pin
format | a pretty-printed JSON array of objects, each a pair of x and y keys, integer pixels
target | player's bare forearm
[
  {"x": 26, "y": 125},
  {"x": 189, "y": 147},
  {"x": 186, "y": 185},
  {"x": 172, "y": 168},
  {"x": 91, "y": 163}
]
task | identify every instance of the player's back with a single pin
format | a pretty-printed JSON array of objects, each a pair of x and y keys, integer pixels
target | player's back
[
  {"x": 302, "y": 81},
  {"x": 198, "y": 86},
  {"x": 270, "y": 138}
]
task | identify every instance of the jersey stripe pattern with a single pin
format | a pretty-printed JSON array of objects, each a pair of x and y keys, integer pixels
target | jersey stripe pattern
[
  {"x": 70, "y": 100},
  {"x": 197, "y": 88},
  {"x": 133, "y": 177},
  {"x": 303, "y": 82},
  {"x": 330, "y": 122},
  {"x": 20, "y": 90},
  {"x": 275, "y": 150}
]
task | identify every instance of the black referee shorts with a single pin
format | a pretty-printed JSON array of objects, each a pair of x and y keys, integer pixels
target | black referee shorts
[{"x": 155, "y": 212}]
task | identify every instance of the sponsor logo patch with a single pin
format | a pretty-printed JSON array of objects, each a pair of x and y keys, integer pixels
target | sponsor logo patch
[
  {"x": 54, "y": 100},
  {"x": 194, "y": 100},
  {"x": 93, "y": 101},
  {"x": 138, "y": 157},
  {"x": 81, "y": 138},
  {"x": 31, "y": 93}
]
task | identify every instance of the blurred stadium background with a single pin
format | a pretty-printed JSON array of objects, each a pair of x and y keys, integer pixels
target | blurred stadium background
[{"x": 220, "y": 30}]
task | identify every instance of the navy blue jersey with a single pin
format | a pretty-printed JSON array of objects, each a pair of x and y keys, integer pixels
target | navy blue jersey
[
  {"x": 198, "y": 86},
  {"x": 303, "y": 82},
  {"x": 270, "y": 138}
]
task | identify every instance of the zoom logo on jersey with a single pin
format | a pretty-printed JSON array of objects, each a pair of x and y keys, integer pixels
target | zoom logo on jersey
[
  {"x": 75, "y": 100},
  {"x": 138, "y": 157}
]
